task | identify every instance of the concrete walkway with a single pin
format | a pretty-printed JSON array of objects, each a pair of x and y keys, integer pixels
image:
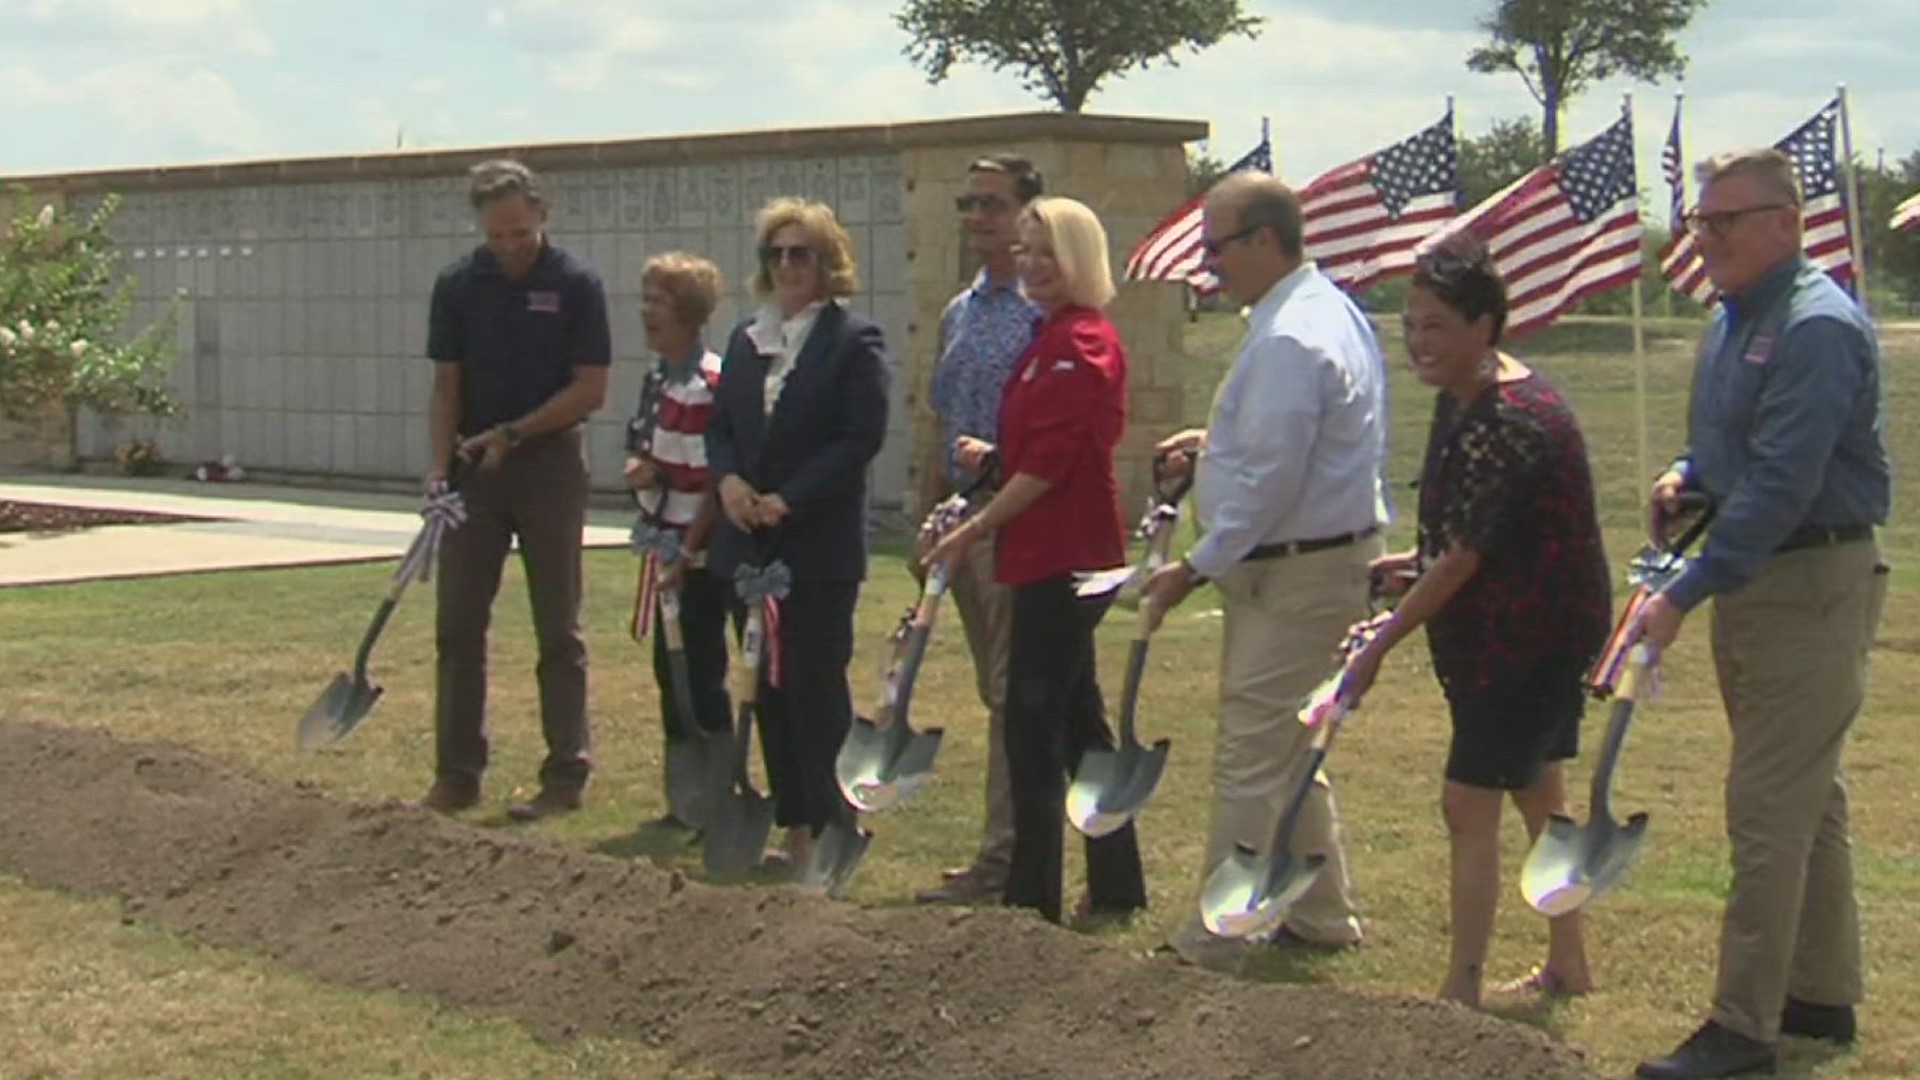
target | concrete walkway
[{"x": 255, "y": 526}]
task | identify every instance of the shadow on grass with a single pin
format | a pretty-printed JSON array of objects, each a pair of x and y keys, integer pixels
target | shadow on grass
[
  {"x": 1548, "y": 1012},
  {"x": 666, "y": 848}
]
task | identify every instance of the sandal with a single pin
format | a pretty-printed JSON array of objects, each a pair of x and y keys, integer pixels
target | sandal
[{"x": 1541, "y": 981}]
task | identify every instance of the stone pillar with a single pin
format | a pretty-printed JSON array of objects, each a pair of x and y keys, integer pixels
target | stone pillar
[{"x": 45, "y": 442}]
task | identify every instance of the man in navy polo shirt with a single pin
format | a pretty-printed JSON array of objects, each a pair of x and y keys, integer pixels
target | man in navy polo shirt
[{"x": 518, "y": 336}]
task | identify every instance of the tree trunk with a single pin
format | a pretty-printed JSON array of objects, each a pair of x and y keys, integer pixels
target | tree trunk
[{"x": 1550, "y": 123}]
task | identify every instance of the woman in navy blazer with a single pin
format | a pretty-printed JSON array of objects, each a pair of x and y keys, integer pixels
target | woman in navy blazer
[{"x": 799, "y": 415}]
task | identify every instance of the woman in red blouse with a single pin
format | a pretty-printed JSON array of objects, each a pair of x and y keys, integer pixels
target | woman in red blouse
[{"x": 1058, "y": 512}]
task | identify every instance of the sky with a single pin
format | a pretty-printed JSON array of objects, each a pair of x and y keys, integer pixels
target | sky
[{"x": 88, "y": 84}]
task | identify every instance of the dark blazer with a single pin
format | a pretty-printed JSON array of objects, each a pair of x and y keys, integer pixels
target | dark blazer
[{"x": 814, "y": 451}]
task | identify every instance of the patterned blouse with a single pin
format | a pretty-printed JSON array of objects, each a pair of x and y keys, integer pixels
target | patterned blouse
[{"x": 1507, "y": 476}]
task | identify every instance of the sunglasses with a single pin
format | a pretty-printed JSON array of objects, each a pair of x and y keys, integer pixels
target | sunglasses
[
  {"x": 1721, "y": 222},
  {"x": 791, "y": 254},
  {"x": 1213, "y": 247},
  {"x": 992, "y": 204}
]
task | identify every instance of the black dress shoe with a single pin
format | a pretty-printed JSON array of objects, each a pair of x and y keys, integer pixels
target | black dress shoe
[
  {"x": 1833, "y": 1023},
  {"x": 1710, "y": 1053}
]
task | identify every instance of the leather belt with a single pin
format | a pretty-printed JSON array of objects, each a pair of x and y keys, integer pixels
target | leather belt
[
  {"x": 1807, "y": 536},
  {"x": 1283, "y": 548}
]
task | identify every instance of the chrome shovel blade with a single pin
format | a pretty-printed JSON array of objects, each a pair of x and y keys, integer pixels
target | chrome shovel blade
[
  {"x": 691, "y": 764},
  {"x": 1111, "y": 786},
  {"x": 737, "y": 833},
  {"x": 879, "y": 767},
  {"x": 1247, "y": 896},
  {"x": 837, "y": 853},
  {"x": 1569, "y": 866},
  {"x": 338, "y": 710}
]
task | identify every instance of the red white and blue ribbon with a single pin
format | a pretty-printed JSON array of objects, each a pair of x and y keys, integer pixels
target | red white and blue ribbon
[
  {"x": 766, "y": 586},
  {"x": 657, "y": 546},
  {"x": 445, "y": 510}
]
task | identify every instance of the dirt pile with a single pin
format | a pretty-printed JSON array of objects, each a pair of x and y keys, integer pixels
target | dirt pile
[
  {"x": 16, "y": 516},
  {"x": 754, "y": 981}
]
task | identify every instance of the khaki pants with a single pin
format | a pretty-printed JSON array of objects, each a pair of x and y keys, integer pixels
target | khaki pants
[
  {"x": 1285, "y": 620},
  {"x": 1790, "y": 650},
  {"x": 986, "y": 614}
]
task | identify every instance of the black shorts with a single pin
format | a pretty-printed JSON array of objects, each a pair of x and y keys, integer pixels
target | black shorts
[{"x": 1502, "y": 738}]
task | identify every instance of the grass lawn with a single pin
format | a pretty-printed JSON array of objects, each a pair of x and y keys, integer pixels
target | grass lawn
[{"x": 227, "y": 663}]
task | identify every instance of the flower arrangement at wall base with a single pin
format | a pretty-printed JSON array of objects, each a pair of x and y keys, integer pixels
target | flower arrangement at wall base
[{"x": 140, "y": 457}]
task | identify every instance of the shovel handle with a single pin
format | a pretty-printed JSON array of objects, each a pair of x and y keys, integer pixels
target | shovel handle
[{"x": 1599, "y": 793}]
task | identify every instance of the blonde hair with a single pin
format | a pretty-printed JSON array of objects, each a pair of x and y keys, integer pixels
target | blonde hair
[
  {"x": 1079, "y": 246},
  {"x": 691, "y": 282},
  {"x": 1770, "y": 168},
  {"x": 831, "y": 245}
]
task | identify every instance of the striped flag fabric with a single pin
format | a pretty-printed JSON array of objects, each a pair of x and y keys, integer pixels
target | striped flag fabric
[
  {"x": 1814, "y": 148},
  {"x": 1365, "y": 218},
  {"x": 1907, "y": 214},
  {"x": 1564, "y": 231},
  {"x": 1680, "y": 262},
  {"x": 1171, "y": 251}
]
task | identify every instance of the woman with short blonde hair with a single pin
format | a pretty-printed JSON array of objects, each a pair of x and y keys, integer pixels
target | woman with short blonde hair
[
  {"x": 1062, "y": 412},
  {"x": 691, "y": 285},
  {"x": 827, "y": 243}
]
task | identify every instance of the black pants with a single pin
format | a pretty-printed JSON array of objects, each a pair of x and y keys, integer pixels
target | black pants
[
  {"x": 704, "y": 605},
  {"x": 1054, "y": 714},
  {"x": 805, "y": 719}
]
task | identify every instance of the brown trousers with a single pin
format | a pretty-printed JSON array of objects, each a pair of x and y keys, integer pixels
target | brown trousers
[
  {"x": 538, "y": 495},
  {"x": 1790, "y": 650}
]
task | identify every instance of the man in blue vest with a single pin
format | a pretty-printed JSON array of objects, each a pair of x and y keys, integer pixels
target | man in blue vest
[{"x": 1785, "y": 434}]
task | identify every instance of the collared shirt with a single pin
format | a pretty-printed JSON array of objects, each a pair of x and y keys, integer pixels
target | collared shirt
[
  {"x": 982, "y": 334},
  {"x": 1786, "y": 424},
  {"x": 1298, "y": 433},
  {"x": 516, "y": 341},
  {"x": 781, "y": 339}
]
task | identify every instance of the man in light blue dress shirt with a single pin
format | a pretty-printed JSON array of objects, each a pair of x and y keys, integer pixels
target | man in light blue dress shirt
[
  {"x": 983, "y": 333},
  {"x": 1289, "y": 498}
]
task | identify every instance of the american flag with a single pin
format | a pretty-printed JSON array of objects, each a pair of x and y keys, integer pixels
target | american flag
[
  {"x": 1907, "y": 214},
  {"x": 1680, "y": 262},
  {"x": 1814, "y": 148},
  {"x": 1364, "y": 218},
  {"x": 1171, "y": 252},
  {"x": 1564, "y": 231}
]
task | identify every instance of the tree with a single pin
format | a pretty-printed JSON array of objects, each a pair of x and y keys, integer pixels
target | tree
[
  {"x": 1064, "y": 49},
  {"x": 1893, "y": 256},
  {"x": 1562, "y": 47},
  {"x": 1504, "y": 154},
  {"x": 1203, "y": 171},
  {"x": 61, "y": 336}
]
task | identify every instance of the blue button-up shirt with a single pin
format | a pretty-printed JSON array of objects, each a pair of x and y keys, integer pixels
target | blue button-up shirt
[
  {"x": 1786, "y": 424},
  {"x": 1298, "y": 433},
  {"x": 983, "y": 332}
]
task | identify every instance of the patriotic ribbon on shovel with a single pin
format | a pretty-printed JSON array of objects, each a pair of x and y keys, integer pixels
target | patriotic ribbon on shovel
[
  {"x": 1161, "y": 517},
  {"x": 1650, "y": 571},
  {"x": 658, "y": 546},
  {"x": 766, "y": 586},
  {"x": 444, "y": 511}
]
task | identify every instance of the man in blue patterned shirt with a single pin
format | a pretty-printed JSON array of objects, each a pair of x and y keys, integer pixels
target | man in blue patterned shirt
[{"x": 982, "y": 334}]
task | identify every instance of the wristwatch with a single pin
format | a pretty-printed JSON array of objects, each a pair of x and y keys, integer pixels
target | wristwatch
[{"x": 511, "y": 434}]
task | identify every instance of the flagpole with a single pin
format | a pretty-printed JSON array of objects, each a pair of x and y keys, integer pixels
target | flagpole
[
  {"x": 1639, "y": 345},
  {"x": 1854, "y": 209},
  {"x": 1679, "y": 100}
]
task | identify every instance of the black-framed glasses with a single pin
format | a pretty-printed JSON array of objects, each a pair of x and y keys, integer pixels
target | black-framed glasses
[
  {"x": 991, "y": 204},
  {"x": 1213, "y": 247},
  {"x": 1721, "y": 222},
  {"x": 791, "y": 254}
]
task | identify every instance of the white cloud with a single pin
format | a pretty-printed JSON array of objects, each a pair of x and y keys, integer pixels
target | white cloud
[
  {"x": 225, "y": 25},
  {"x": 582, "y": 42},
  {"x": 194, "y": 109}
]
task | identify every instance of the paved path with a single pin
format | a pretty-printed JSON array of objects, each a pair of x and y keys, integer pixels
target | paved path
[{"x": 256, "y": 525}]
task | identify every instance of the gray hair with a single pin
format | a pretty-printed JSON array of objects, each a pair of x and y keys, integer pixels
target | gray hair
[
  {"x": 1768, "y": 167},
  {"x": 502, "y": 178}
]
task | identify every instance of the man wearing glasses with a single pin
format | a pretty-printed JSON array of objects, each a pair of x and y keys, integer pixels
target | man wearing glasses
[
  {"x": 1288, "y": 495},
  {"x": 983, "y": 332},
  {"x": 1785, "y": 435}
]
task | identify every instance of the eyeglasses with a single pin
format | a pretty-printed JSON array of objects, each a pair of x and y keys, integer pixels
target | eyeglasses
[
  {"x": 1720, "y": 222},
  {"x": 792, "y": 254},
  {"x": 992, "y": 204},
  {"x": 1213, "y": 247}
]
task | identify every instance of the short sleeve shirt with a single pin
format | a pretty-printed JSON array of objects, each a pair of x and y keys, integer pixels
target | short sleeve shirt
[{"x": 517, "y": 342}]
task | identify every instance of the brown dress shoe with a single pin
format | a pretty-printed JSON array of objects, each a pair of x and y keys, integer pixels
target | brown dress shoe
[
  {"x": 451, "y": 796},
  {"x": 550, "y": 802},
  {"x": 968, "y": 888}
]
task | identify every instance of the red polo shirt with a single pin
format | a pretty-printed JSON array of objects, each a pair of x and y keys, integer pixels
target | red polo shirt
[{"x": 1061, "y": 415}]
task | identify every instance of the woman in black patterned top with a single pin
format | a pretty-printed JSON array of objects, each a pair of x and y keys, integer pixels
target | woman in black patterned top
[{"x": 1510, "y": 579}]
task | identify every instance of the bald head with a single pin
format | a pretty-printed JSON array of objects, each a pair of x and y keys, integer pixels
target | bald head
[{"x": 1257, "y": 200}]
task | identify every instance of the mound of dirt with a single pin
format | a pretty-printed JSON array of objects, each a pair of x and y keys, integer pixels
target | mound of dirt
[
  {"x": 16, "y": 516},
  {"x": 763, "y": 981}
]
